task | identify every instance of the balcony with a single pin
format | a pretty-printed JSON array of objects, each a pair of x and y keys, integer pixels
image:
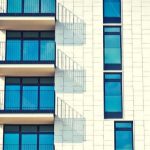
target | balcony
[
  {"x": 22, "y": 14},
  {"x": 34, "y": 59},
  {"x": 27, "y": 147},
  {"x": 22, "y": 106}
]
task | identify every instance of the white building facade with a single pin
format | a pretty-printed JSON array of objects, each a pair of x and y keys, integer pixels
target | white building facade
[{"x": 92, "y": 65}]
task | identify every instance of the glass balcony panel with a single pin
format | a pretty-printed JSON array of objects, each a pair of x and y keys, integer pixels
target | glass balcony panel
[
  {"x": 47, "y": 6},
  {"x": 14, "y": 6}
]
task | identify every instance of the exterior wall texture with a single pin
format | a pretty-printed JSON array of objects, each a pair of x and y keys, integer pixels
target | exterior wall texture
[{"x": 84, "y": 45}]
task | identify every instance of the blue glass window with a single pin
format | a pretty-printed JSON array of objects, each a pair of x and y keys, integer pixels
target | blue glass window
[
  {"x": 28, "y": 137},
  {"x": 29, "y": 141},
  {"x": 14, "y": 6},
  {"x": 123, "y": 136},
  {"x": 30, "y": 50},
  {"x": 30, "y": 98},
  {"x": 12, "y": 97},
  {"x": 47, "y": 50},
  {"x": 48, "y": 6},
  {"x": 31, "y": 6},
  {"x": 30, "y": 46},
  {"x": 13, "y": 51},
  {"x": 112, "y": 48},
  {"x": 47, "y": 96},
  {"x": 113, "y": 95},
  {"x": 112, "y": 11},
  {"x": 11, "y": 141},
  {"x": 32, "y": 94}
]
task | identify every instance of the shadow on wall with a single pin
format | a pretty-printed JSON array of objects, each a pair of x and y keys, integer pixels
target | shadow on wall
[
  {"x": 69, "y": 121},
  {"x": 71, "y": 27},
  {"x": 70, "y": 76}
]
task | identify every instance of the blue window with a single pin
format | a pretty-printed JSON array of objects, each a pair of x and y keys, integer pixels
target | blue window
[
  {"x": 112, "y": 95},
  {"x": 30, "y": 47},
  {"x": 13, "y": 52},
  {"x": 31, "y": 7},
  {"x": 26, "y": 137},
  {"x": 30, "y": 50},
  {"x": 48, "y": 6},
  {"x": 112, "y": 11},
  {"x": 47, "y": 50},
  {"x": 112, "y": 48},
  {"x": 29, "y": 94},
  {"x": 14, "y": 6},
  {"x": 123, "y": 135}
]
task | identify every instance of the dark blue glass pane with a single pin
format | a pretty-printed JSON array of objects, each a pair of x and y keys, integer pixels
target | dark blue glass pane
[
  {"x": 46, "y": 141},
  {"x": 47, "y": 48},
  {"x": 14, "y": 6},
  {"x": 29, "y": 142},
  {"x": 30, "y": 98},
  {"x": 13, "y": 52},
  {"x": 124, "y": 125},
  {"x": 112, "y": 49},
  {"x": 113, "y": 97},
  {"x": 124, "y": 140},
  {"x": 31, "y": 6},
  {"x": 12, "y": 97},
  {"x": 30, "y": 50},
  {"x": 47, "y": 6},
  {"x": 47, "y": 97},
  {"x": 112, "y": 8},
  {"x": 11, "y": 141},
  {"x": 112, "y": 76}
]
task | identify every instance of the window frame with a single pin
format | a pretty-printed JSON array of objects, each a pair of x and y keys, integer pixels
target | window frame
[
  {"x": 112, "y": 66},
  {"x": 113, "y": 115},
  {"x": 38, "y": 110},
  {"x": 39, "y": 39},
  {"x": 112, "y": 19},
  {"x": 123, "y": 129},
  {"x": 22, "y": 13},
  {"x": 20, "y": 133}
]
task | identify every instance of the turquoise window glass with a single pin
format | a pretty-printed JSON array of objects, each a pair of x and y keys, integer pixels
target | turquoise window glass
[
  {"x": 30, "y": 50},
  {"x": 11, "y": 141},
  {"x": 123, "y": 136},
  {"x": 48, "y": 6},
  {"x": 46, "y": 141},
  {"x": 47, "y": 50},
  {"x": 113, "y": 95},
  {"x": 31, "y": 6},
  {"x": 47, "y": 96},
  {"x": 13, "y": 51},
  {"x": 112, "y": 11},
  {"x": 12, "y": 97},
  {"x": 14, "y": 6},
  {"x": 112, "y": 48},
  {"x": 29, "y": 141},
  {"x": 30, "y": 98}
]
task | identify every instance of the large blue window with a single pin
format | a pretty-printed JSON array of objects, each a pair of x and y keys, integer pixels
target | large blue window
[
  {"x": 29, "y": 94},
  {"x": 112, "y": 95},
  {"x": 29, "y": 137},
  {"x": 112, "y": 48},
  {"x": 29, "y": 47},
  {"x": 112, "y": 11},
  {"x": 124, "y": 135},
  {"x": 31, "y": 7}
]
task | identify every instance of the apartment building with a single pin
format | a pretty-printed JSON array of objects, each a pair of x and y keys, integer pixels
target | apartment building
[{"x": 74, "y": 74}]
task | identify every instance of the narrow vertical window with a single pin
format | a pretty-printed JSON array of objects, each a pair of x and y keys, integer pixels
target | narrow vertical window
[
  {"x": 123, "y": 135},
  {"x": 112, "y": 48},
  {"x": 112, "y": 95},
  {"x": 112, "y": 11}
]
